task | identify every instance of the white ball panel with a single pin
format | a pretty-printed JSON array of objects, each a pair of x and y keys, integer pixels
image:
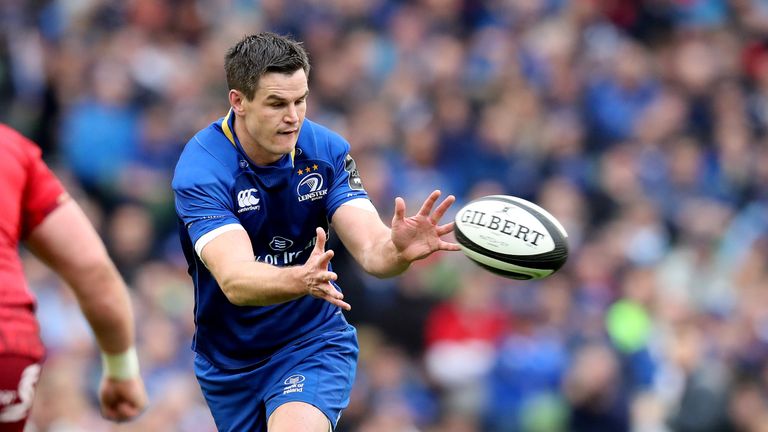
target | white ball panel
[{"x": 504, "y": 228}]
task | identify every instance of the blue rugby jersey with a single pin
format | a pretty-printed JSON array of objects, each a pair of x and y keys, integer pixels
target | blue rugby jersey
[{"x": 280, "y": 205}]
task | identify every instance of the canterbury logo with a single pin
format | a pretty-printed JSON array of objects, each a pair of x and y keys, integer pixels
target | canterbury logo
[{"x": 245, "y": 198}]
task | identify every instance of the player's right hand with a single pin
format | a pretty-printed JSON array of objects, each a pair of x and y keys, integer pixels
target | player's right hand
[
  {"x": 122, "y": 400},
  {"x": 317, "y": 277}
]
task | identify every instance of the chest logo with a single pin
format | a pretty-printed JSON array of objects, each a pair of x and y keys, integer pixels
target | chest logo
[
  {"x": 280, "y": 243},
  {"x": 247, "y": 201},
  {"x": 311, "y": 187}
]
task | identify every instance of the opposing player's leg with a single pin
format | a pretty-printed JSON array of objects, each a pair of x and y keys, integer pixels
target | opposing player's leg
[
  {"x": 298, "y": 417},
  {"x": 18, "y": 379}
]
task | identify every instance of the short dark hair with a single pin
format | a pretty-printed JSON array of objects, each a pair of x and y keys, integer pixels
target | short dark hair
[{"x": 257, "y": 54}]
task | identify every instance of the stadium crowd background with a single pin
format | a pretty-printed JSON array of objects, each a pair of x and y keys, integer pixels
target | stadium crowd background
[{"x": 640, "y": 124}]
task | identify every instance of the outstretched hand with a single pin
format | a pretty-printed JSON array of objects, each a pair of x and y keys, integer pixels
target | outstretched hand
[
  {"x": 318, "y": 278},
  {"x": 418, "y": 236}
]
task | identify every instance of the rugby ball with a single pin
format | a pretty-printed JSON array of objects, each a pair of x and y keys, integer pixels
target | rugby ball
[{"x": 512, "y": 237}]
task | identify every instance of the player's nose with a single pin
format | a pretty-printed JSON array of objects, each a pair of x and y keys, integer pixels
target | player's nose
[{"x": 292, "y": 115}]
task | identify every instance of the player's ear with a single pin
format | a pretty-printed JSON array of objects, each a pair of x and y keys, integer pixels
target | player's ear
[{"x": 236, "y": 99}]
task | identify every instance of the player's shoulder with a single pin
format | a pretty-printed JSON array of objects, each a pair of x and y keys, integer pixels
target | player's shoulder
[
  {"x": 320, "y": 142},
  {"x": 15, "y": 145},
  {"x": 207, "y": 157}
]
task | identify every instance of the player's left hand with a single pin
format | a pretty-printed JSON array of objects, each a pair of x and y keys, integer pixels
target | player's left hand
[{"x": 418, "y": 236}]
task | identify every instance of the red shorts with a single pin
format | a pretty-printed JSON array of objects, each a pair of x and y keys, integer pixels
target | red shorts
[{"x": 18, "y": 379}]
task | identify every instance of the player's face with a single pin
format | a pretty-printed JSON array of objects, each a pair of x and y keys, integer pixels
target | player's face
[{"x": 274, "y": 116}]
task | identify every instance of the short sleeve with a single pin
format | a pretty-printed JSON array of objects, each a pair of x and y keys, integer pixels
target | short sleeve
[
  {"x": 347, "y": 184},
  {"x": 43, "y": 191},
  {"x": 203, "y": 202}
]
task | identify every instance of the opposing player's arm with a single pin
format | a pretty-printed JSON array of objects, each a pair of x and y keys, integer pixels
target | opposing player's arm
[
  {"x": 246, "y": 282},
  {"x": 67, "y": 242},
  {"x": 386, "y": 252}
]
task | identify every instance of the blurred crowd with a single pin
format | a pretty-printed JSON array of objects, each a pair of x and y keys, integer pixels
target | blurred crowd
[{"x": 642, "y": 125}]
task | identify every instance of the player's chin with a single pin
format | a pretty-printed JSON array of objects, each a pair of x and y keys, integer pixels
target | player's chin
[{"x": 286, "y": 141}]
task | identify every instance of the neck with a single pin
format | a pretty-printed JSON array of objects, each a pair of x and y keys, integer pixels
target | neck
[{"x": 251, "y": 147}]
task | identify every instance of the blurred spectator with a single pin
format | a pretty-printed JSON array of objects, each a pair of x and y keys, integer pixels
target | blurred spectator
[
  {"x": 593, "y": 389},
  {"x": 699, "y": 398},
  {"x": 99, "y": 133},
  {"x": 462, "y": 335},
  {"x": 615, "y": 101}
]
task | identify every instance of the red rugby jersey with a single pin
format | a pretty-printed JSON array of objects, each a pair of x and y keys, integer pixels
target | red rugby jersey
[{"x": 29, "y": 191}]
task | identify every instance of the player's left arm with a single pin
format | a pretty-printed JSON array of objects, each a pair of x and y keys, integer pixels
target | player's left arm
[{"x": 388, "y": 251}]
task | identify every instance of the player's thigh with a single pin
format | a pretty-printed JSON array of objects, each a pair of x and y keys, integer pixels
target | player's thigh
[
  {"x": 318, "y": 372},
  {"x": 321, "y": 377},
  {"x": 18, "y": 380},
  {"x": 298, "y": 417},
  {"x": 234, "y": 398}
]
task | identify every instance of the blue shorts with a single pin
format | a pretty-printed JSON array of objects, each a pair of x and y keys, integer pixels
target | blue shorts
[{"x": 319, "y": 371}]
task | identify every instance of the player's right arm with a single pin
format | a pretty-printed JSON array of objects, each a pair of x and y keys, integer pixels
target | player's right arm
[
  {"x": 67, "y": 242},
  {"x": 245, "y": 282},
  {"x": 59, "y": 233}
]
